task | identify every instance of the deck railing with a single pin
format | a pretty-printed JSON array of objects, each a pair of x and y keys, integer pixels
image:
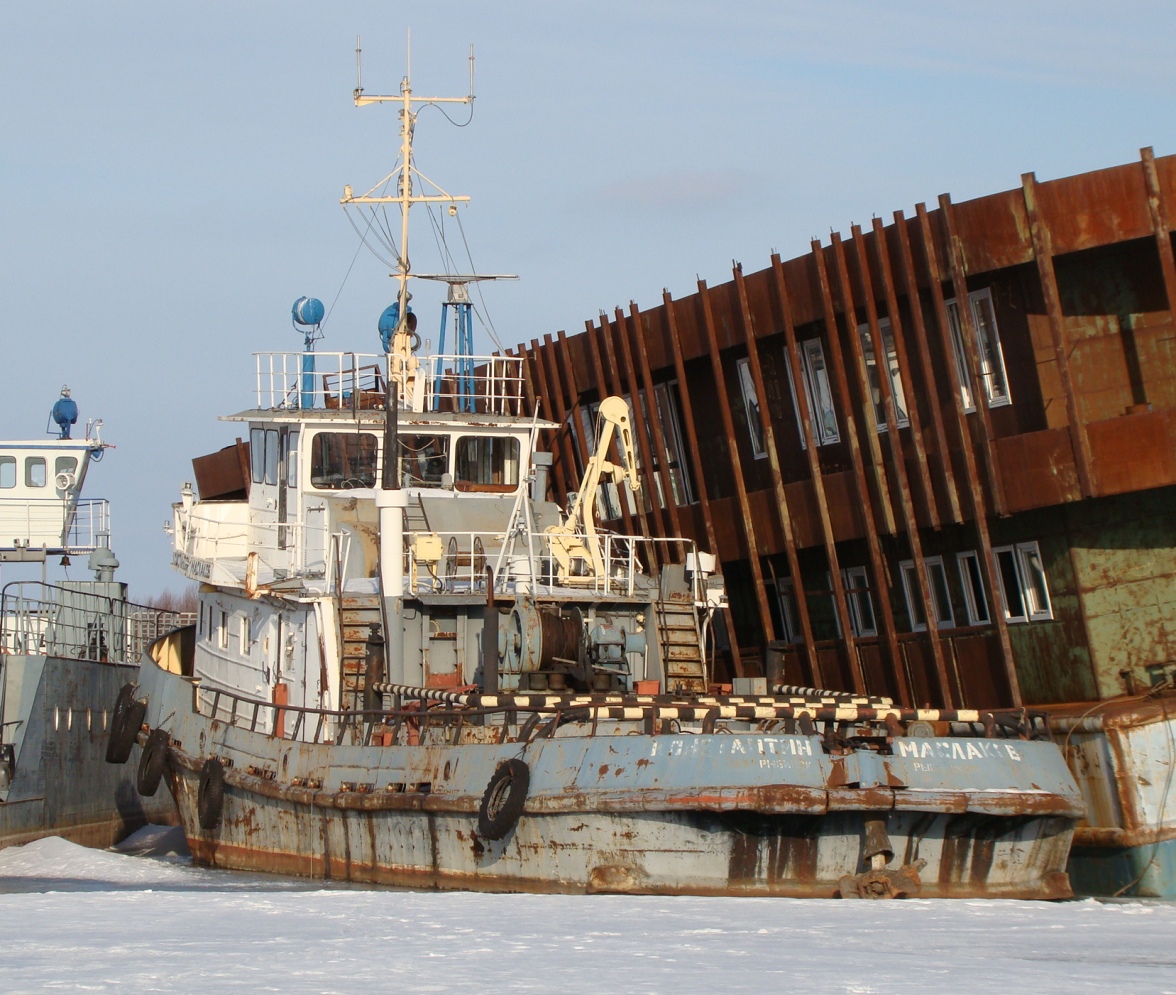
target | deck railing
[
  {"x": 357, "y": 381},
  {"x": 38, "y": 522},
  {"x": 46, "y": 620}
]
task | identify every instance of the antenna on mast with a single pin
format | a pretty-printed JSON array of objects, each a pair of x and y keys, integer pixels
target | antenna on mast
[{"x": 358, "y": 67}]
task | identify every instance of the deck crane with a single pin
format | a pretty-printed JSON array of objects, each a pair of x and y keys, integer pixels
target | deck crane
[{"x": 575, "y": 545}]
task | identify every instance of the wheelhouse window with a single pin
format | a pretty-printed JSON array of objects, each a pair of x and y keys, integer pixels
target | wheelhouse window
[
  {"x": 424, "y": 460},
  {"x": 487, "y": 461},
  {"x": 814, "y": 375},
  {"x": 341, "y": 461},
  {"x": 940, "y": 597},
  {"x": 222, "y": 630},
  {"x": 892, "y": 370},
  {"x": 292, "y": 458},
  {"x": 992, "y": 370},
  {"x": 264, "y": 455},
  {"x": 972, "y": 581},
  {"x": 751, "y": 410},
  {"x": 35, "y": 471},
  {"x": 1023, "y": 589},
  {"x": 7, "y": 472}
]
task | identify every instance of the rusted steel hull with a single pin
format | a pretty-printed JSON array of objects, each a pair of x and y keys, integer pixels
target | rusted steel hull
[
  {"x": 708, "y": 814},
  {"x": 60, "y": 784},
  {"x": 1123, "y": 755}
]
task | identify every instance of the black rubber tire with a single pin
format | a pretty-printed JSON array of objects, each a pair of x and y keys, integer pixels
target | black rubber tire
[
  {"x": 125, "y": 723},
  {"x": 503, "y": 802},
  {"x": 210, "y": 802},
  {"x": 152, "y": 762}
]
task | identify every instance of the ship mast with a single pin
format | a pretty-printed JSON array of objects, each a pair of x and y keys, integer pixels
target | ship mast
[{"x": 402, "y": 364}]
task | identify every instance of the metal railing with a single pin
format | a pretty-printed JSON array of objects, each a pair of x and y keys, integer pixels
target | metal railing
[
  {"x": 357, "y": 381},
  {"x": 40, "y": 619},
  {"x": 38, "y": 522}
]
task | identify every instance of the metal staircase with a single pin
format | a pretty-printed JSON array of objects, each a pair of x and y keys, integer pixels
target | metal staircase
[{"x": 358, "y": 613}]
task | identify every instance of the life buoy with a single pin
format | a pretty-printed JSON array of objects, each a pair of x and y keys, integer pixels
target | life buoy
[
  {"x": 125, "y": 723},
  {"x": 152, "y": 762},
  {"x": 502, "y": 804},
  {"x": 210, "y": 802}
]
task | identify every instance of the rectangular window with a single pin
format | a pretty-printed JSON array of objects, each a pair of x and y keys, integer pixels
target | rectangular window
[
  {"x": 1023, "y": 589},
  {"x": 65, "y": 464},
  {"x": 786, "y": 599},
  {"x": 972, "y": 581},
  {"x": 992, "y": 370},
  {"x": 222, "y": 631},
  {"x": 940, "y": 596},
  {"x": 35, "y": 471},
  {"x": 486, "y": 461},
  {"x": 668, "y": 410},
  {"x": 292, "y": 458},
  {"x": 751, "y": 410},
  {"x": 7, "y": 472},
  {"x": 891, "y": 367},
  {"x": 257, "y": 454},
  {"x": 246, "y": 635},
  {"x": 343, "y": 460},
  {"x": 815, "y": 377},
  {"x": 271, "y": 456},
  {"x": 424, "y": 460},
  {"x": 859, "y": 602}
]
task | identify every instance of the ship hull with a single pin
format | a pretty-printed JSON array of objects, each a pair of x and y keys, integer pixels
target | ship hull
[
  {"x": 58, "y": 717},
  {"x": 747, "y": 815}
]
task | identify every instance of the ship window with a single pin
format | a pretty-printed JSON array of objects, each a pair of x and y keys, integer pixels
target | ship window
[
  {"x": 424, "y": 459},
  {"x": 222, "y": 630},
  {"x": 786, "y": 600},
  {"x": 940, "y": 598},
  {"x": 668, "y": 410},
  {"x": 292, "y": 459},
  {"x": 992, "y": 371},
  {"x": 65, "y": 464},
  {"x": 859, "y": 602},
  {"x": 487, "y": 460},
  {"x": 245, "y": 634},
  {"x": 271, "y": 456},
  {"x": 815, "y": 377},
  {"x": 1023, "y": 589},
  {"x": 751, "y": 409},
  {"x": 343, "y": 460},
  {"x": 973, "y": 584},
  {"x": 257, "y": 454},
  {"x": 891, "y": 366},
  {"x": 34, "y": 471},
  {"x": 7, "y": 471}
]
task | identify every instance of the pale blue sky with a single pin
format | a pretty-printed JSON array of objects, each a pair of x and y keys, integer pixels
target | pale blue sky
[{"x": 170, "y": 172}]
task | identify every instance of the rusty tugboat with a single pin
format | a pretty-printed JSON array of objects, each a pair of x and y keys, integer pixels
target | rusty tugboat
[{"x": 412, "y": 668}]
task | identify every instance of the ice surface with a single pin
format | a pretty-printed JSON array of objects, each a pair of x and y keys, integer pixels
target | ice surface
[{"x": 86, "y": 920}]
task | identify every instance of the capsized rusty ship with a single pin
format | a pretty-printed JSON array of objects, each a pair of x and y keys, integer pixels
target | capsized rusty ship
[{"x": 412, "y": 668}]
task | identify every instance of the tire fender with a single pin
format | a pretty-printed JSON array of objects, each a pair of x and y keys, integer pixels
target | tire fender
[
  {"x": 210, "y": 802},
  {"x": 503, "y": 801},
  {"x": 125, "y": 722},
  {"x": 153, "y": 762}
]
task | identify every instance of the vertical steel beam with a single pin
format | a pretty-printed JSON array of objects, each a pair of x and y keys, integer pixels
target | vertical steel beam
[
  {"x": 528, "y": 379},
  {"x": 970, "y": 334},
  {"x": 836, "y": 364},
  {"x": 877, "y": 467},
  {"x": 894, "y": 442},
  {"x": 1161, "y": 219},
  {"x": 567, "y": 464},
  {"x": 975, "y": 487},
  {"x": 575, "y": 390},
  {"x": 642, "y": 433},
  {"x": 753, "y": 554},
  {"x": 659, "y": 439},
  {"x": 782, "y": 511},
  {"x": 692, "y": 441},
  {"x": 930, "y": 378},
  {"x": 603, "y": 391},
  {"x": 905, "y": 368}
]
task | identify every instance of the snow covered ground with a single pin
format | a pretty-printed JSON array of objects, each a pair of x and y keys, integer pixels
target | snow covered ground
[{"x": 86, "y": 920}]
